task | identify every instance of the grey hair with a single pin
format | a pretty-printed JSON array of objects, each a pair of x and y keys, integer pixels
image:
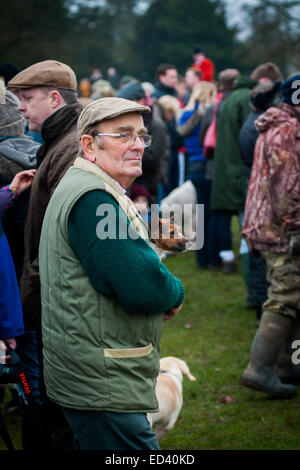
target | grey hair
[{"x": 92, "y": 130}]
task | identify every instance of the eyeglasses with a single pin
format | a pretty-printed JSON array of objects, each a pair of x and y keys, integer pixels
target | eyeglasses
[{"x": 126, "y": 137}]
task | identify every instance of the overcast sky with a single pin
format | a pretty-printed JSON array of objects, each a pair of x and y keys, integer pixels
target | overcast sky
[{"x": 235, "y": 15}]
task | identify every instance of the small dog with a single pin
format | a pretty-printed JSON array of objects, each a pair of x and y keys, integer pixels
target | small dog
[
  {"x": 169, "y": 394},
  {"x": 182, "y": 202},
  {"x": 167, "y": 235}
]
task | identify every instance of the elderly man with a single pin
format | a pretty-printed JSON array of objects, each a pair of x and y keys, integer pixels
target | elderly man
[
  {"x": 156, "y": 157},
  {"x": 104, "y": 290}
]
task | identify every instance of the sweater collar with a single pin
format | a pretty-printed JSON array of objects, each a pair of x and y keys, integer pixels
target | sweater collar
[{"x": 89, "y": 166}]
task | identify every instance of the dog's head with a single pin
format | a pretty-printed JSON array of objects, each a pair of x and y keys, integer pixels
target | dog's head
[
  {"x": 167, "y": 235},
  {"x": 176, "y": 366}
]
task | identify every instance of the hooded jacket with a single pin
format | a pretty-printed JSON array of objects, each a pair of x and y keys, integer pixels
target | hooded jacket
[
  {"x": 272, "y": 208},
  {"x": 21, "y": 150}
]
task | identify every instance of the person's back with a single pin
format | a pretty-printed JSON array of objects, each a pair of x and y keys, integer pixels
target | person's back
[
  {"x": 229, "y": 170},
  {"x": 272, "y": 226},
  {"x": 266, "y": 215}
]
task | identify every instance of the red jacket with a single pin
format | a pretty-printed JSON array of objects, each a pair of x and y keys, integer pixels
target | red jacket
[{"x": 207, "y": 69}]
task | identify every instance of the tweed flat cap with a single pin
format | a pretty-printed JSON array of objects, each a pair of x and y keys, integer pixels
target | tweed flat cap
[
  {"x": 107, "y": 108},
  {"x": 47, "y": 73}
]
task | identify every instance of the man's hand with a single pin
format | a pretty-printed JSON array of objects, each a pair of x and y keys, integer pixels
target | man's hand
[
  {"x": 172, "y": 312},
  {"x": 11, "y": 342},
  {"x": 23, "y": 180}
]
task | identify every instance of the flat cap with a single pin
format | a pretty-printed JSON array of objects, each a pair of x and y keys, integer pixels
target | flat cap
[
  {"x": 47, "y": 73},
  {"x": 107, "y": 108}
]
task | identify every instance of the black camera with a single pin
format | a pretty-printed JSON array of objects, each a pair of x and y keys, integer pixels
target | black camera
[
  {"x": 13, "y": 372},
  {"x": 9, "y": 373}
]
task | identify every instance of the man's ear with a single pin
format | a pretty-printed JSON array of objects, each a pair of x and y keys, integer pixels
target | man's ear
[
  {"x": 89, "y": 146},
  {"x": 56, "y": 100}
]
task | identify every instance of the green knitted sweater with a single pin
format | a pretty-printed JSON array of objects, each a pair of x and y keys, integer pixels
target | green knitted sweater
[{"x": 107, "y": 262}]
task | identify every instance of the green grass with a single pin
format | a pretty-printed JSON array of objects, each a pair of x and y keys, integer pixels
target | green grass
[{"x": 213, "y": 334}]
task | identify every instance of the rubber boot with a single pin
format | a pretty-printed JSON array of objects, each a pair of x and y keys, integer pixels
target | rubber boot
[
  {"x": 260, "y": 373},
  {"x": 288, "y": 370}
]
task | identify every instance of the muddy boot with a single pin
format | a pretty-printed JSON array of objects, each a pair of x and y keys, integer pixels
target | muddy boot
[
  {"x": 288, "y": 370},
  {"x": 260, "y": 373}
]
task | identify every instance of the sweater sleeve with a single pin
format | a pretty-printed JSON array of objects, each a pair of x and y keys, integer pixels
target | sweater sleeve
[
  {"x": 125, "y": 269},
  {"x": 7, "y": 197}
]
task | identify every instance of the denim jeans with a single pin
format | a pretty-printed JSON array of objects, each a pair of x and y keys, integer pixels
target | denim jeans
[
  {"x": 203, "y": 188},
  {"x": 44, "y": 426},
  {"x": 220, "y": 234}
]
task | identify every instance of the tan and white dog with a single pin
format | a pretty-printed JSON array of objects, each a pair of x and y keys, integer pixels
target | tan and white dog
[
  {"x": 169, "y": 394},
  {"x": 182, "y": 203}
]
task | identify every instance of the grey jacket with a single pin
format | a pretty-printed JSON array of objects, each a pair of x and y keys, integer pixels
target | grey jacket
[{"x": 21, "y": 150}]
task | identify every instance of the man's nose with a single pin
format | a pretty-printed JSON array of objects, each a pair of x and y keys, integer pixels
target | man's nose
[
  {"x": 21, "y": 106},
  {"x": 138, "y": 143}
]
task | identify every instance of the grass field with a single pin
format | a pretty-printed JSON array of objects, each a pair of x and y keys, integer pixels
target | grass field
[{"x": 213, "y": 334}]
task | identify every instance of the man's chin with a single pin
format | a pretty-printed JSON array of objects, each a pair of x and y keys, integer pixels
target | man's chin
[
  {"x": 138, "y": 173},
  {"x": 34, "y": 128}
]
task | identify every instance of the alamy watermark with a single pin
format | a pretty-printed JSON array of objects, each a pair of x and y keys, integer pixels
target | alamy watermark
[
  {"x": 179, "y": 221},
  {"x": 296, "y": 354},
  {"x": 296, "y": 94}
]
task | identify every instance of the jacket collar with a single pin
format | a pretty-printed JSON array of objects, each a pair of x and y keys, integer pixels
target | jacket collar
[
  {"x": 166, "y": 89},
  {"x": 60, "y": 121},
  {"x": 243, "y": 81}
]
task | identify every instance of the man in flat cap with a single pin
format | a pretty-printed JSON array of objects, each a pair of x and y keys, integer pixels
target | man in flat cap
[
  {"x": 156, "y": 157},
  {"x": 272, "y": 227},
  {"x": 105, "y": 292},
  {"x": 47, "y": 91}
]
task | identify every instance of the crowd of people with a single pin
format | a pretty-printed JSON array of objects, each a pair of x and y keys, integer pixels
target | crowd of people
[{"x": 70, "y": 302}]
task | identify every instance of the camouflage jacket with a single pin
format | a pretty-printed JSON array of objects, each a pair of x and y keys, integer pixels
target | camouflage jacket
[{"x": 272, "y": 208}]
